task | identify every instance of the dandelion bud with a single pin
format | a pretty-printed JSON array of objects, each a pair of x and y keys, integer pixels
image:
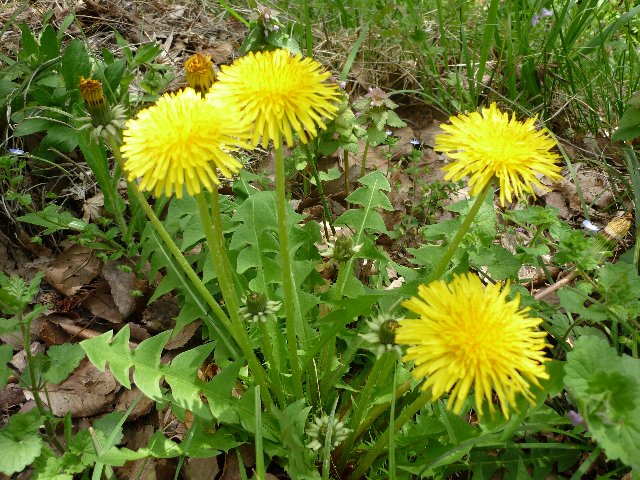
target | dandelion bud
[
  {"x": 257, "y": 308},
  {"x": 104, "y": 121},
  {"x": 382, "y": 334},
  {"x": 342, "y": 250},
  {"x": 95, "y": 101},
  {"x": 199, "y": 72},
  {"x": 319, "y": 429}
]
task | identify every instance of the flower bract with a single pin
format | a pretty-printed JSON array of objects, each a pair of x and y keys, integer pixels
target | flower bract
[
  {"x": 492, "y": 144},
  {"x": 280, "y": 93},
  {"x": 469, "y": 336},
  {"x": 181, "y": 140}
]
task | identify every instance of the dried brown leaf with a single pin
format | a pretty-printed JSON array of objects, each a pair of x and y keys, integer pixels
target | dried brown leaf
[{"x": 73, "y": 269}]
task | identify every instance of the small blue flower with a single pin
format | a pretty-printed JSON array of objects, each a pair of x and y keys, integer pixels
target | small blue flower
[
  {"x": 388, "y": 132},
  {"x": 415, "y": 142},
  {"x": 535, "y": 19},
  {"x": 546, "y": 13},
  {"x": 16, "y": 151},
  {"x": 576, "y": 419}
]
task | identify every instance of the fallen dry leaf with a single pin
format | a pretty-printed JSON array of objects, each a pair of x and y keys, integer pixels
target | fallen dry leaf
[
  {"x": 87, "y": 392},
  {"x": 160, "y": 315},
  {"x": 73, "y": 269},
  {"x": 93, "y": 207},
  {"x": 183, "y": 336},
  {"x": 122, "y": 284},
  {"x": 102, "y": 304},
  {"x": 202, "y": 468},
  {"x": 126, "y": 397}
]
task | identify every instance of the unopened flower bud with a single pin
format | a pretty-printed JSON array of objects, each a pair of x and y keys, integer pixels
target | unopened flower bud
[{"x": 199, "y": 72}]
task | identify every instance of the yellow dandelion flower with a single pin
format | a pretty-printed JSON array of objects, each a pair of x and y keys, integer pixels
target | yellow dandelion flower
[
  {"x": 471, "y": 336},
  {"x": 199, "y": 71},
  {"x": 181, "y": 140},
  {"x": 490, "y": 144},
  {"x": 280, "y": 93}
]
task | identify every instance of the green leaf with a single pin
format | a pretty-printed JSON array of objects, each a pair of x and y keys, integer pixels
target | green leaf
[
  {"x": 113, "y": 75},
  {"x": 629, "y": 127},
  {"x": 500, "y": 262},
  {"x": 49, "y": 45},
  {"x": 61, "y": 137},
  {"x": 65, "y": 359},
  {"x": 146, "y": 53},
  {"x": 75, "y": 63},
  {"x": 370, "y": 196},
  {"x": 219, "y": 390},
  {"x": 393, "y": 120},
  {"x": 607, "y": 391},
  {"x": 20, "y": 442},
  {"x": 54, "y": 219},
  {"x": 96, "y": 157},
  {"x": 255, "y": 239},
  {"x": 181, "y": 375},
  {"x": 33, "y": 125},
  {"x": 291, "y": 424},
  {"x": 6, "y": 354},
  {"x": 375, "y": 136},
  {"x": 30, "y": 45}
]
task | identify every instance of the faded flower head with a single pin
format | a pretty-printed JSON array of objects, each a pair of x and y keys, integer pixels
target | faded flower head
[
  {"x": 488, "y": 144},
  {"x": 320, "y": 427},
  {"x": 256, "y": 307},
  {"x": 469, "y": 336},
  {"x": 382, "y": 334},
  {"x": 199, "y": 72},
  {"x": 280, "y": 93},
  {"x": 181, "y": 140}
]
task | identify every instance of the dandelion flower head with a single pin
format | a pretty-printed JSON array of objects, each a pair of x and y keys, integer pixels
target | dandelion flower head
[
  {"x": 91, "y": 92},
  {"x": 181, "y": 140},
  {"x": 199, "y": 72},
  {"x": 491, "y": 144},
  {"x": 280, "y": 93},
  {"x": 470, "y": 336}
]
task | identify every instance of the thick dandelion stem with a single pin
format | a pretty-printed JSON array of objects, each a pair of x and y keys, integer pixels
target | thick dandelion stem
[
  {"x": 462, "y": 230},
  {"x": 380, "y": 371},
  {"x": 383, "y": 440},
  {"x": 274, "y": 373},
  {"x": 213, "y": 233},
  {"x": 186, "y": 268},
  {"x": 287, "y": 276}
]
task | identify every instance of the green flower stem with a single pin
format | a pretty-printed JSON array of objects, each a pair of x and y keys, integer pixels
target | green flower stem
[
  {"x": 363, "y": 166},
  {"x": 212, "y": 226},
  {"x": 177, "y": 254},
  {"x": 380, "y": 409},
  {"x": 462, "y": 230},
  {"x": 380, "y": 370},
  {"x": 267, "y": 349},
  {"x": 179, "y": 257},
  {"x": 314, "y": 170},
  {"x": 35, "y": 389},
  {"x": 383, "y": 439},
  {"x": 287, "y": 276},
  {"x": 114, "y": 145}
]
